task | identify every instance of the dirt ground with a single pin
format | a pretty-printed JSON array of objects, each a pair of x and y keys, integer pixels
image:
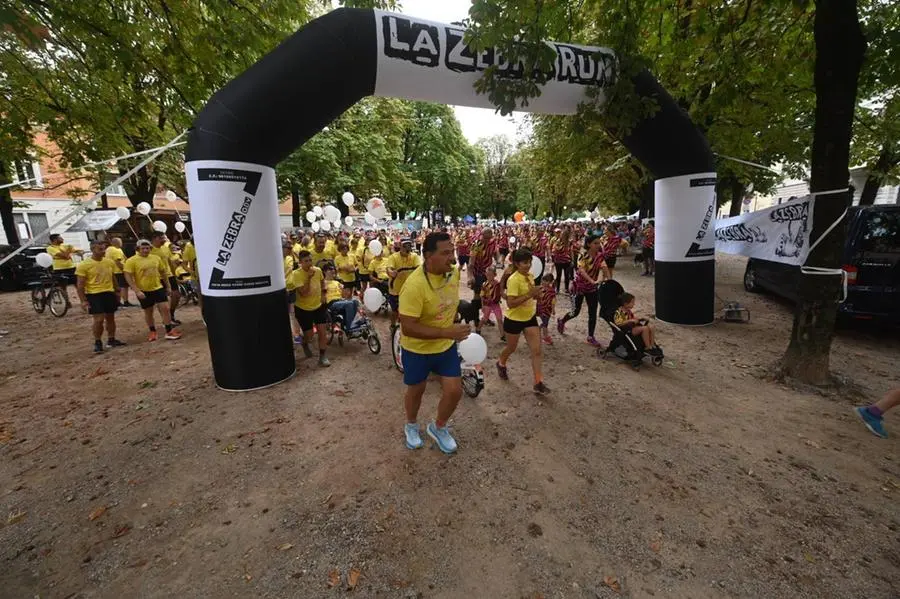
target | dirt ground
[{"x": 130, "y": 474}]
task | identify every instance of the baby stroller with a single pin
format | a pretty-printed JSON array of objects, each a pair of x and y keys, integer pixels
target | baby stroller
[{"x": 623, "y": 345}]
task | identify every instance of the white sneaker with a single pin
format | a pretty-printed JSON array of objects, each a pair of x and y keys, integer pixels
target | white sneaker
[{"x": 413, "y": 439}]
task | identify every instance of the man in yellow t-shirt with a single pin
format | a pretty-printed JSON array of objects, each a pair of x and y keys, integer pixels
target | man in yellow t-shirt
[
  {"x": 399, "y": 266},
  {"x": 363, "y": 257},
  {"x": 114, "y": 252},
  {"x": 148, "y": 275},
  {"x": 163, "y": 248},
  {"x": 98, "y": 294},
  {"x": 63, "y": 266},
  {"x": 428, "y": 303},
  {"x": 521, "y": 303},
  {"x": 322, "y": 251},
  {"x": 309, "y": 307},
  {"x": 345, "y": 264}
]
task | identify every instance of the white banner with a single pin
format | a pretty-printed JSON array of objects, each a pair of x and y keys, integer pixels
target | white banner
[
  {"x": 234, "y": 210},
  {"x": 780, "y": 233},
  {"x": 685, "y": 215},
  {"x": 424, "y": 60},
  {"x": 98, "y": 220}
]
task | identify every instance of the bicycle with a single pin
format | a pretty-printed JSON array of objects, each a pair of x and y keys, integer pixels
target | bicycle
[
  {"x": 49, "y": 292},
  {"x": 472, "y": 375},
  {"x": 188, "y": 292}
]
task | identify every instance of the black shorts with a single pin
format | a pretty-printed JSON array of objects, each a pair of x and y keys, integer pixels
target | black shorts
[
  {"x": 292, "y": 296},
  {"x": 362, "y": 278},
  {"x": 463, "y": 260},
  {"x": 66, "y": 275},
  {"x": 514, "y": 327},
  {"x": 309, "y": 318},
  {"x": 394, "y": 302},
  {"x": 173, "y": 283},
  {"x": 647, "y": 253},
  {"x": 477, "y": 284},
  {"x": 354, "y": 284},
  {"x": 504, "y": 252},
  {"x": 102, "y": 303},
  {"x": 121, "y": 281},
  {"x": 151, "y": 298},
  {"x": 610, "y": 261}
]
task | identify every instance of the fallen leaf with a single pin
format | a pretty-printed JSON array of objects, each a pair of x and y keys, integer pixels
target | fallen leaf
[
  {"x": 334, "y": 578},
  {"x": 809, "y": 558},
  {"x": 812, "y": 443},
  {"x": 284, "y": 547},
  {"x": 121, "y": 531},
  {"x": 352, "y": 579},
  {"x": 342, "y": 393},
  {"x": 98, "y": 372},
  {"x": 15, "y": 517},
  {"x": 655, "y": 546},
  {"x": 247, "y": 577},
  {"x": 613, "y": 583},
  {"x": 228, "y": 449},
  {"x": 97, "y": 513}
]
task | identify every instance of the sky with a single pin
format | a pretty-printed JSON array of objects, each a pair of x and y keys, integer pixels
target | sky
[{"x": 476, "y": 122}]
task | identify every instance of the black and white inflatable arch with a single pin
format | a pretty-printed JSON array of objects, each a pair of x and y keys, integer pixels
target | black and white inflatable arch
[{"x": 311, "y": 78}]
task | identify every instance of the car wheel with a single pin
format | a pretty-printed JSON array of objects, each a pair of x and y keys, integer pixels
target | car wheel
[{"x": 750, "y": 282}]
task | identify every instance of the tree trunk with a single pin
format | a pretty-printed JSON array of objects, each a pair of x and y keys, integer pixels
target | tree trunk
[
  {"x": 886, "y": 161},
  {"x": 295, "y": 205},
  {"x": 141, "y": 185},
  {"x": 6, "y": 207},
  {"x": 840, "y": 47},
  {"x": 737, "y": 197},
  {"x": 307, "y": 198}
]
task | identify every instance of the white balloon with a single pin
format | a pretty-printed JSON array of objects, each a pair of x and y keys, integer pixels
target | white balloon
[
  {"x": 332, "y": 213},
  {"x": 473, "y": 349},
  {"x": 44, "y": 260},
  {"x": 143, "y": 208},
  {"x": 123, "y": 213},
  {"x": 324, "y": 225},
  {"x": 315, "y": 227},
  {"x": 311, "y": 216},
  {"x": 348, "y": 221},
  {"x": 179, "y": 226},
  {"x": 317, "y": 210},
  {"x": 372, "y": 299},
  {"x": 376, "y": 207},
  {"x": 160, "y": 226},
  {"x": 535, "y": 267},
  {"x": 347, "y": 198},
  {"x": 512, "y": 239},
  {"x": 375, "y": 247},
  {"x": 370, "y": 219},
  {"x": 170, "y": 195}
]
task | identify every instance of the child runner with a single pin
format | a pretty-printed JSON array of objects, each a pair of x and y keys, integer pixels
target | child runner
[
  {"x": 637, "y": 327},
  {"x": 873, "y": 416},
  {"x": 490, "y": 297},
  {"x": 521, "y": 294},
  {"x": 546, "y": 307}
]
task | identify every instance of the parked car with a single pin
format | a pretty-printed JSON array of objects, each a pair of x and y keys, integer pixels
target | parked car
[
  {"x": 871, "y": 262},
  {"x": 21, "y": 270}
]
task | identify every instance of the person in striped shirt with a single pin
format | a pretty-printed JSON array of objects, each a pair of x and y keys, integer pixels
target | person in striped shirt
[
  {"x": 587, "y": 279},
  {"x": 546, "y": 307},
  {"x": 611, "y": 243},
  {"x": 483, "y": 254}
]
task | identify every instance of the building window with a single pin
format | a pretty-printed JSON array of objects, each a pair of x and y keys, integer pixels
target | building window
[
  {"x": 28, "y": 173},
  {"x": 38, "y": 223}
]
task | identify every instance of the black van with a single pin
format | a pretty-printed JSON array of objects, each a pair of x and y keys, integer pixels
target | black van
[{"x": 871, "y": 261}]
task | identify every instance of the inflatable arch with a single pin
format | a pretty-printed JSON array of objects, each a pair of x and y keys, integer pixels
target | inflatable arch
[{"x": 257, "y": 119}]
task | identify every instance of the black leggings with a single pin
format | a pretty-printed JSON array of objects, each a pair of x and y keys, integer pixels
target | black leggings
[
  {"x": 563, "y": 268},
  {"x": 593, "y": 301}
]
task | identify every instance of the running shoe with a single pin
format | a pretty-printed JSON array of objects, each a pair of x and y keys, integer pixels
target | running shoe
[
  {"x": 413, "y": 439},
  {"x": 561, "y": 326},
  {"x": 655, "y": 351},
  {"x": 547, "y": 340},
  {"x": 324, "y": 362},
  {"x": 151, "y": 336},
  {"x": 592, "y": 341},
  {"x": 306, "y": 351},
  {"x": 115, "y": 343},
  {"x": 98, "y": 347},
  {"x": 873, "y": 423},
  {"x": 176, "y": 322},
  {"x": 441, "y": 436},
  {"x": 501, "y": 372},
  {"x": 173, "y": 335},
  {"x": 541, "y": 388},
  {"x": 127, "y": 305},
  {"x": 298, "y": 340}
]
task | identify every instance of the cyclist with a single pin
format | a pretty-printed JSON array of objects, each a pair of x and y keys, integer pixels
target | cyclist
[
  {"x": 63, "y": 266},
  {"x": 428, "y": 303},
  {"x": 98, "y": 294}
]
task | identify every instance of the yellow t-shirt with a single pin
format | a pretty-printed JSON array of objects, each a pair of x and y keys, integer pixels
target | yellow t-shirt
[
  {"x": 378, "y": 268},
  {"x": 332, "y": 291},
  {"x": 147, "y": 272},
  {"x": 61, "y": 263},
  {"x": 114, "y": 253},
  {"x": 331, "y": 246},
  {"x": 190, "y": 260},
  {"x": 164, "y": 253},
  {"x": 363, "y": 257},
  {"x": 348, "y": 261},
  {"x": 518, "y": 285},
  {"x": 434, "y": 305},
  {"x": 288, "y": 267},
  {"x": 403, "y": 266},
  {"x": 326, "y": 254},
  {"x": 312, "y": 300},
  {"x": 298, "y": 247},
  {"x": 98, "y": 274}
]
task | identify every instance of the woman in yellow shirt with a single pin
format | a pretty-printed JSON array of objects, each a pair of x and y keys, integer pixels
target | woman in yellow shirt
[
  {"x": 521, "y": 303},
  {"x": 345, "y": 262}
]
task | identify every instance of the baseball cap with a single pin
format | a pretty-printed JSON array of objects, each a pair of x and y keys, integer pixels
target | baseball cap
[{"x": 143, "y": 242}]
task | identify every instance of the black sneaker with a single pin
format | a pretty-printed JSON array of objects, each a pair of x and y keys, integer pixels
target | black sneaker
[
  {"x": 176, "y": 322},
  {"x": 306, "y": 351},
  {"x": 501, "y": 372},
  {"x": 110, "y": 343},
  {"x": 127, "y": 305},
  {"x": 98, "y": 347},
  {"x": 541, "y": 389}
]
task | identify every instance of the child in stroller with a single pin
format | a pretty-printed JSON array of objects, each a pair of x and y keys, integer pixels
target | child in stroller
[
  {"x": 343, "y": 314},
  {"x": 633, "y": 338}
]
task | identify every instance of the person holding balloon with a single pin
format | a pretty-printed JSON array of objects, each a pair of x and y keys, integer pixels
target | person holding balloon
[
  {"x": 521, "y": 303},
  {"x": 162, "y": 248},
  {"x": 428, "y": 302}
]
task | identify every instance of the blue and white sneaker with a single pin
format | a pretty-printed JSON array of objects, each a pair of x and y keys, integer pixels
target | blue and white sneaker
[
  {"x": 441, "y": 436},
  {"x": 413, "y": 439},
  {"x": 873, "y": 423}
]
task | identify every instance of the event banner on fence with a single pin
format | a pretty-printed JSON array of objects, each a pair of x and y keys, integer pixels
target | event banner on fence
[{"x": 780, "y": 233}]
